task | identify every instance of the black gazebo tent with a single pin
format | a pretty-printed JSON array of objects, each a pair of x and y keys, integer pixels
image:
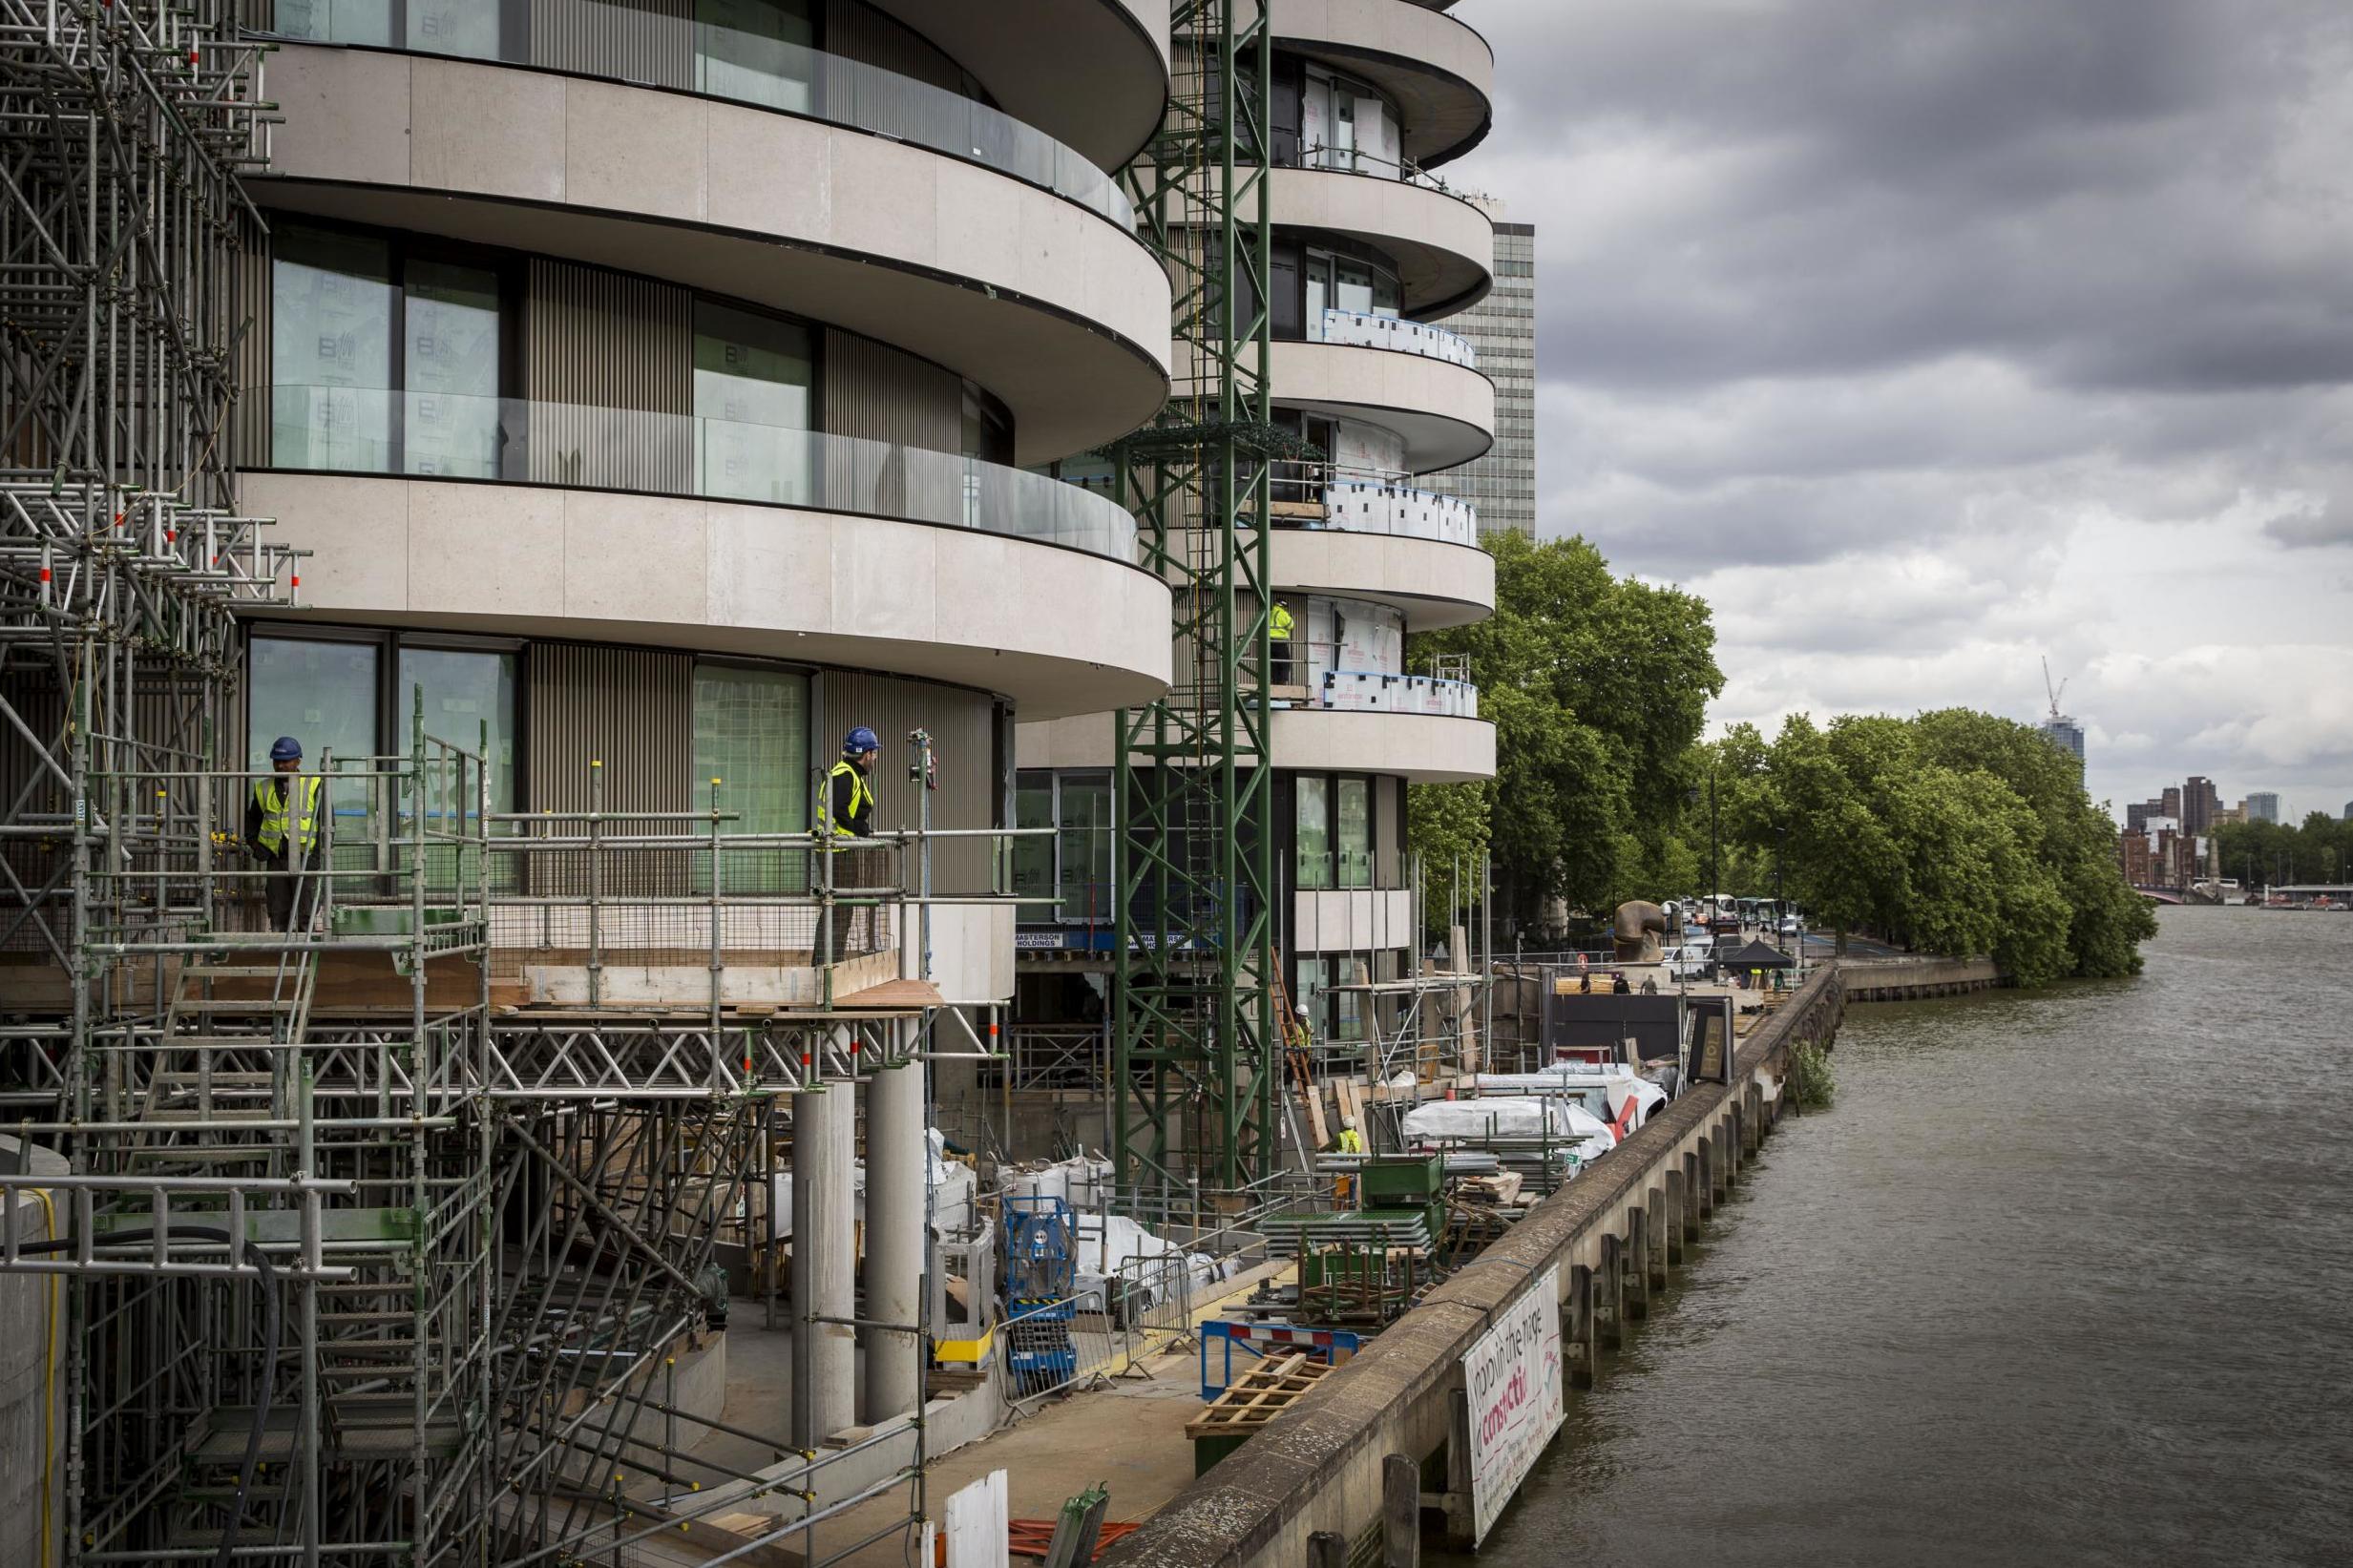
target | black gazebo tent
[{"x": 1755, "y": 954}]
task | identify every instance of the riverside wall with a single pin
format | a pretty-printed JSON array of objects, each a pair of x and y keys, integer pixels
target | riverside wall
[
  {"x": 1916, "y": 979},
  {"x": 1616, "y": 1232}
]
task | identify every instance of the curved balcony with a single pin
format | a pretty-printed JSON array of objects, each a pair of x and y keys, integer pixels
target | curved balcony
[
  {"x": 1094, "y": 73},
  {"x": 642, "y": 48},
  {"x": 1437, "y": 70},
  {"x": 1359, "y": 329},
  {"x": 1061, "y": 314},
  {"x": 1433, "y": 585},
  {"x": 1418, "y": 747},
  {"x": 438, "y": 435},
  {"x": 1444, "y": 413},
  {"x": 1443, "y": 246},
  {"x": 1059, "y": 631}
]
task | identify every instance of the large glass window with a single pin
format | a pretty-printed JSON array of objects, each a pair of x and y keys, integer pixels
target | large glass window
[
  {"x": 1315, "y": 833},
  {"x": 1032, "y": 856},
  {"x": 751, "y": 734},
  {"x": 353, "y": 323},
  {"x": 464, "y": 690},
  {"x": 363, "y": 22},
  {"x": 465, "y": 27},
  {"x": 1084, "y": 882},
  {"x": 753, "y": 404},
  {"x": 324, "y": 694},
  {"x": 1353, "y": 801},
  {"x": 755, "y": 52},
  {"x": 333, "y": 303},
  {"x": 449, "y": 355}
]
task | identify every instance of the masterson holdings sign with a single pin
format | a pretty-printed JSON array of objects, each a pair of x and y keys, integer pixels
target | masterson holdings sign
[{"x": 1512, "y": 1375}]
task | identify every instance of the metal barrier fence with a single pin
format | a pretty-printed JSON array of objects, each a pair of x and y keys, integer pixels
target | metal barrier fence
[{"x": 1053, "y": 1347}]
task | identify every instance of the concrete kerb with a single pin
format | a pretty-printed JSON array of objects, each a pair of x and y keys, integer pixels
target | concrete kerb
[{"x": 1317, "y": 1466}]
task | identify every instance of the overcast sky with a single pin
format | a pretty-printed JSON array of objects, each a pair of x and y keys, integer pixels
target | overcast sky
[{"x": 1925, "y": 338}]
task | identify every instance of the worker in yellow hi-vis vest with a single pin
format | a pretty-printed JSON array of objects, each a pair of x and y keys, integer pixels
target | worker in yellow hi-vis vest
[
  {"x": 282, "y": 830},
  {"x": 846, "y": 810},
  {"x": 1351, "y": 1142}
]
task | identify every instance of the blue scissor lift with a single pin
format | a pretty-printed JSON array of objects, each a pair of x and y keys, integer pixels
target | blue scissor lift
[{"x": 1041, "y": 1275}]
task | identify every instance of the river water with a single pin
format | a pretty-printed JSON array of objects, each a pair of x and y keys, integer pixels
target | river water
[{"x": 2065, "y": 1277}]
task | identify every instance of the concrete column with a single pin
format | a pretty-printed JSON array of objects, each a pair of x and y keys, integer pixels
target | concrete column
[
  {"x": 1656, "y": 1227},
  {"x": 1725, "y": 1160},
  {"x": 895, "y": 1164},
  {"x": 1609, "y": 1294},
  {"x": 1707, "y": 1187},
  {"x": 1581, "y": 1350},
  {"x": 1637, "y": 1262},
  {"x": 825, "y": 1360},
  {"x": 1678, "y": 1209}
]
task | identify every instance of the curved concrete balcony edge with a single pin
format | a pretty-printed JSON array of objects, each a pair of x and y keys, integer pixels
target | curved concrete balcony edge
[
  {"x": 1433, "y": 583},
  {"x": 1435, "y": 67},
  {"x": 1443, "y": 246},
  {"x": 1057, "y": 631},
  {"x": 1051, "y": 308},
  {"x": 1445, "y": 412},
  {"x": 1419, "y": 748}
]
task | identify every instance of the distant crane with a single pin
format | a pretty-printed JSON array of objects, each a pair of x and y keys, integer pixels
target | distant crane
[{"x": 2056, "y": 692}]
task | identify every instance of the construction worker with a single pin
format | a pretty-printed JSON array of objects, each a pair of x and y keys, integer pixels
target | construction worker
[
  {"x": 847, "y": 811},
  {"x": 267, "y": 827},
  {"x": 1350, "y": 1141},
  {"x": 1280, "y": 628}
]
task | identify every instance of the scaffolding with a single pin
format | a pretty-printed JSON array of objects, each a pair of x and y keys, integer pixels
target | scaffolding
[
  {"x": 345, "y": 1270},
  {"x": 1195, "y": 1052}
]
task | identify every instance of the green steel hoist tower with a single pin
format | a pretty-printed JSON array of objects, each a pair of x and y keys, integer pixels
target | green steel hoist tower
[{"x": 1196, "y": 1052}]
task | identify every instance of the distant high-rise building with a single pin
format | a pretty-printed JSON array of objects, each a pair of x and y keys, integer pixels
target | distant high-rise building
[
  {"x": 1502, "y": 485},
  {"x": 2200, "y": 800},
  {"x": 2348, "y": 812},
  {"x": 2168, "y": 804},
  {"x": 2064, "y": 733},
  {"x": 2261, "y": 806}
]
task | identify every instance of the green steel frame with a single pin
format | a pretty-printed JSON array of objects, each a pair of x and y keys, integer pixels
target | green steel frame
[{"x": 1195, "y": 1049}]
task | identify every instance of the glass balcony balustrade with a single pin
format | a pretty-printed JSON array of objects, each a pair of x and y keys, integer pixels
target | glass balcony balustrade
[
  {"x": 743, "y": 65},
  {"x": 437, "y": 435}
]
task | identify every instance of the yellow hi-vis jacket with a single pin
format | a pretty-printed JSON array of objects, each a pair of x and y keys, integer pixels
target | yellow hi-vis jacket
[
  {"x": 1281, "y": 625},
  {"x": 1351, "y": 1141},
  {"x": 269, "y": 797},
  {"x": 861, "y": 802}
]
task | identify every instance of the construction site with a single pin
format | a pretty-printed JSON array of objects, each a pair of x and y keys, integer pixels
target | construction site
[{"x": 443, "y": 1175}]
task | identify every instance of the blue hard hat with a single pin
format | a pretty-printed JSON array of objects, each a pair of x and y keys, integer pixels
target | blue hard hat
[
  {"x": 860, "y": 740},
  {"x": 285, "y": 749}
]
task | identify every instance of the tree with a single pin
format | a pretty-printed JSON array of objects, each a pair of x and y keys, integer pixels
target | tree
[{"x": 1597, "y": 687}]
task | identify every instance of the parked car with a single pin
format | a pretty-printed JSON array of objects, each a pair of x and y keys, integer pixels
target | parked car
[{"x": 1790, "y": 924}]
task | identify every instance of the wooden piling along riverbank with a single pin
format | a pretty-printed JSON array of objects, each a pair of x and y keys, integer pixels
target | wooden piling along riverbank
[{"x": 1611, "y": 1238}]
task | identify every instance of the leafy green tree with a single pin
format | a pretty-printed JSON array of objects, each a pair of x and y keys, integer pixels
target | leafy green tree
[{"x": 1597, "y": 687}]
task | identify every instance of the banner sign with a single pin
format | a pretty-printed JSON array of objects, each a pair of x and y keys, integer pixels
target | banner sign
[{"x": 1513, "y": 1376}]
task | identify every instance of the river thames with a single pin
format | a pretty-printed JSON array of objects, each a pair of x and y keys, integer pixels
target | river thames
[{"x": 2066, "y": 1277}]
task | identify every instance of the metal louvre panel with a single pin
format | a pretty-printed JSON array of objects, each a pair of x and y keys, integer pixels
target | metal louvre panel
[
  {"x": 879, "y": 393},
  {"x": 962, "y": 725},
  {"x": 251, "y": 305},
  {"x": 608, "y": 362},
  {"x": 631, "y": 709},
  {"x": 650, "y": 41},
  {"x": 863, "y": 35}
]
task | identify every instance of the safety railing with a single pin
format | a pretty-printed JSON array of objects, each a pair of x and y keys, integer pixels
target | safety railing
[
  {"x": 646, "y": 48},
  {"x": 1055, "y": 1057},
  {"x": 1333, "y": 158},
  {"x": 1053, "y": 1347},
  {"x": 1359, "y": 329},
  {"x": 361, "y": 430}
]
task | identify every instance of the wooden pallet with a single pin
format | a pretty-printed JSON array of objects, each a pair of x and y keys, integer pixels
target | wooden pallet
[{"x": 1257, "y": 1396}]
